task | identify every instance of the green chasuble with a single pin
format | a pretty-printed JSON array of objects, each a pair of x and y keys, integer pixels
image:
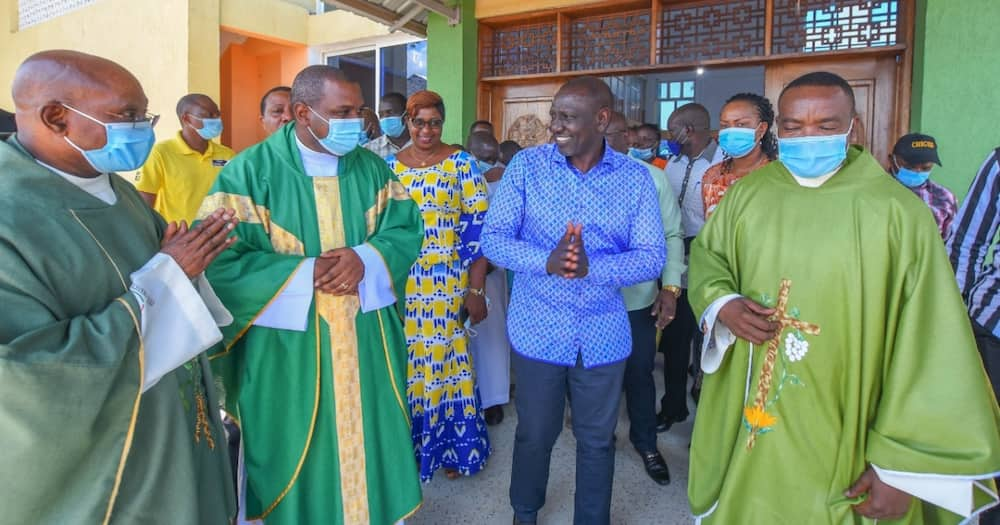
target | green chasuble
[
  {"x": 875, "y": 363},
  {"x": 323, "y": 412},
  {"x": 79, "y": 442}
]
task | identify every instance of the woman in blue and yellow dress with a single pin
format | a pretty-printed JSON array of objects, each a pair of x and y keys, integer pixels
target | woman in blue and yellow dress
[{"x": 444, "y": 285}]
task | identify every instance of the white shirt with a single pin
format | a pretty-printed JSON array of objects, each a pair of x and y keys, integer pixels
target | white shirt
[{"x": 685, "y": 177}]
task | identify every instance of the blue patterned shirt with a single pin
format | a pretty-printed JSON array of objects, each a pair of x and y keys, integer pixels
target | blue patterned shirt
[{"x": 551, "y": 318}]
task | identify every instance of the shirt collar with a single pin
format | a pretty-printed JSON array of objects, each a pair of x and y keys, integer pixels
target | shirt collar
[
  {"x": 316, "y": 164},
  {"x": 708, "y": 153},
  {"x": 611, "y": 158},
  {"x": 188, "y": 150}
]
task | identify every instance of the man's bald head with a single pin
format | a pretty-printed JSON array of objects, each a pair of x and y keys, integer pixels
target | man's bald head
[
  {"x": 308, "y": 86},
  {"x": 484, "y": 146},
  {"x": 191, "y": 101},
  {"x": 595, "y": 89},
  {"x": 47, "y": 84},
  {"x": 691, "y": 115}
]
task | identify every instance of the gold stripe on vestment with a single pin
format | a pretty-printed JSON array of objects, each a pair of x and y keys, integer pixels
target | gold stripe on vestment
[{"x": 340, "y": 312}]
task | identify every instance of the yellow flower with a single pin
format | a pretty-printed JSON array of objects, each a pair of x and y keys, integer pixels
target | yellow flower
[{"x": 758, "y": 418}]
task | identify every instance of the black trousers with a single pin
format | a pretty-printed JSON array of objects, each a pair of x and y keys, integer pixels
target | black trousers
[
  {"x": 594, "y": 395},
  {"x": 640, "y": 389},
  {"x": 675, "y": 343},
  {"x": 989, "y": 350}
]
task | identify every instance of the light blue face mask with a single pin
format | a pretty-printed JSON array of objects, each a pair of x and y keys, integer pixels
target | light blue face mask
[
  {"x": 127, "y": 145},
  {"x": 813, "y": 156},
  {"x": 210, "y": 127},
  {"x": 484, "y": 166},
  {"x": 911, "y": 178},
  {"x": 640, "y": 153},
  {"x": 737, "y": 142},
  {"x": 392, "y": 126},
  {"x": 344, "y": 134}
]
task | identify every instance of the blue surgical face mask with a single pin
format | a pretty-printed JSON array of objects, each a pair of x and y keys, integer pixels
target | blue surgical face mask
[
  {"x": 127, "y": 147},
  {"x": 813, "y": 156},
  {"x": 673, "y": 148},
  {"x": 344, "y": 135},
  {"x": 392, "y": 126},
  {"x": 210, "y": 127},
  {"x": 911, "y": 178},
  {"x": 484, "y": 166},
  {"x": 641, "y": 153},
  {"x": 737, "y": 142}
]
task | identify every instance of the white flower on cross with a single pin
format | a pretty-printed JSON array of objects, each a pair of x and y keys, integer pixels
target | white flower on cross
[{"x": 795, "y": 348}]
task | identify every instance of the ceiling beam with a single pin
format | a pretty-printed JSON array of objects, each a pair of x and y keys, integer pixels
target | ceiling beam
[
  {"x": 410, "y": 15},
  {"x": 435, "y": 6},
  {"x": 380, "y": 14}
]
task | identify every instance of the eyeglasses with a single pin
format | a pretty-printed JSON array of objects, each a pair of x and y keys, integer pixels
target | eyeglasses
[
  {"x": 434, "y": 123},
  {"x": 137, "y": 122}
]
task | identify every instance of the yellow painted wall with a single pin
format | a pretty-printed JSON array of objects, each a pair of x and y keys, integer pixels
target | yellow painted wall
[
  {"x": 341, "y": 26},
  {"x": 490, "y": 8},
  {"x": 150, "y": 39},
  {"x": 270, "y": 19}
]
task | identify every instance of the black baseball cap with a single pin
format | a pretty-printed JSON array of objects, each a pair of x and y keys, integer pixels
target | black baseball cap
[{"x": 917, "y": 148}]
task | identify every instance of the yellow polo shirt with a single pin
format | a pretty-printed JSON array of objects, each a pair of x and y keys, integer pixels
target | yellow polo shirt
[{"x": 180, "y": 177}]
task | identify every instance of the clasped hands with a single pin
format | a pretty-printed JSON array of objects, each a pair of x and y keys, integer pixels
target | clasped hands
[
  {"x": 569, "y": 258},
  {"x": 338, "y": 272},
  {"x": 194, "y": 248}
]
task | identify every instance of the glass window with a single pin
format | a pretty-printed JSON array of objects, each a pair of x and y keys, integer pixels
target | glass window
[
  {"x": 681, "y": 92},
  {"x": 404, "y": 68},
  {"x": 359, "y": 67}
]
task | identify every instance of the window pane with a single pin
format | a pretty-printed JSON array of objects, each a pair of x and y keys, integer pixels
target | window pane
[
  {"x": 359, "y": 67},
  {"x": 666, "y": 108},
  {"x": 682, "y": 102},
  {"x": 663, "y": 90},
  {"x": 689, "y": 89},
  {"x": 675, "y": 90},
  {"x": 404, "y": 68}
]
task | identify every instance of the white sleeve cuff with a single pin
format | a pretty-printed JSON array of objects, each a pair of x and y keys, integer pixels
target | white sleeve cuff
[
  {"x": 375, "y": 289},
  {"x": 175, "y": 322},
  {"x": 952, "y": 493},
  {"x": 290, "y": 309},
  {"x": 718, "y": 338}
]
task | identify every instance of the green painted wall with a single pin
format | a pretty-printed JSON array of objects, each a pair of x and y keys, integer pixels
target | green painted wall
[
  {"x": 955, "y": 84},
  {"x": 453, "y": 68}
]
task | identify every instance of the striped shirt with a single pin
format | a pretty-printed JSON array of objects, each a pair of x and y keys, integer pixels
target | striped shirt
[{"x": 975, "y": 227}]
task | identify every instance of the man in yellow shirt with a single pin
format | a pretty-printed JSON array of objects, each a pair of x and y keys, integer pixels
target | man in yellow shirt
[{"x": 180, "y": 170}]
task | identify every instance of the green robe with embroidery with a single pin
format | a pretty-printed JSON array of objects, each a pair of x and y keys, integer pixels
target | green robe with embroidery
[
  {"x": 79, "y": 443},
  {"x": 325, "y": 425},
  {"x": 878, "y": 364}
]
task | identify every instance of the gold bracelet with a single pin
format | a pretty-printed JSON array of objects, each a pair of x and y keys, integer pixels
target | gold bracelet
[
  {"x": 478, "y": 291},
  {"x": 676, "y": 290}
]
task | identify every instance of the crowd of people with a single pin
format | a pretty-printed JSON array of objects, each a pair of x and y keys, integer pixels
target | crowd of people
[{"x": 304, "y": 331}]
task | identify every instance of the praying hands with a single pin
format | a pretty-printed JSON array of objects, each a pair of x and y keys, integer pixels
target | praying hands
[{"x": 569, "y": 258}]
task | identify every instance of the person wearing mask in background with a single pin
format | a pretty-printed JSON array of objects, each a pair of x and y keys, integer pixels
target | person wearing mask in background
[
  {"x": 276, "y": 109},
  {"x": 913, "y": 157},
  {"x": 747, "y": 140},
  {"x": 647, "y": 146},
  {"x": 488, "y": 340},
  {"x": 508, "y": 149},
  {"x": 696, "y": 151},
  {"x": 395, "y": 134},
  {"x": 482, "y": 125},
  {"x": 181, "y": 169},
  {"x": 650, "y": 308},
  {"x": 841, "y": 376},
  {"x": 447, "y": 283},
  {"x": 314, "y": 364}
]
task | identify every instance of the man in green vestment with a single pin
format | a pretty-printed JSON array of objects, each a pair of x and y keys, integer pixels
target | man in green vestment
[
  {"x": 315, "y": 362},
  {"x": 107, "y": 410},
  {"x": 842, "y": 380}
]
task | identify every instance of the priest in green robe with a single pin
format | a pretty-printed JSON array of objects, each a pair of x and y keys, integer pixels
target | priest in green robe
[
  {"x": 842, "y": 381},
  {"x": 315, "y": 362},
  {"x": 107, "y": 403}
]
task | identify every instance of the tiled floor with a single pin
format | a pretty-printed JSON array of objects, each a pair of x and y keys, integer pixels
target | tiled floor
[{"x": 637, "y": 500}]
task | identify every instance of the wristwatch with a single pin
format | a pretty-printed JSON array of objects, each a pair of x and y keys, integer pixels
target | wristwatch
[
  {"x": 481, "y": 292},
  {"x": 676, "y": 290}
]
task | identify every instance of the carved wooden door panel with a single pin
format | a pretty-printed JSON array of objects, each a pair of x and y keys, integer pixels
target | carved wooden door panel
[
  {"x": 874, "y": 83},
  {"x": 520, "y": 112}
]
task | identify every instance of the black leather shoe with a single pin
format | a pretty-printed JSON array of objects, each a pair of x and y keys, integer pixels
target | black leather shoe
[
  {"x": 663, "y": 423},
  {"x": 656, "y": 467},
  {"x": 493, "y": 415}
]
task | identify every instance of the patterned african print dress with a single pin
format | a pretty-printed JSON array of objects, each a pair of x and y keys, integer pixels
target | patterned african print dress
[{"x": 448, "y": 426}]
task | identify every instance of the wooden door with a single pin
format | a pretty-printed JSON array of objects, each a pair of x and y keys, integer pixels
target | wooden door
[
  {"x": 520, "y": 111},
  {"x": 875, "y": 93}
]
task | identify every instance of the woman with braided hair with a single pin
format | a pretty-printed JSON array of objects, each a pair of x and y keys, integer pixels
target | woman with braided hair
[{"x": 745, "y": 136}]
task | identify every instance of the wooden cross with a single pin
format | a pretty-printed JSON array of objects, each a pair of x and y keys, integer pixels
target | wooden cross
[{"x": 784, "y": 321}]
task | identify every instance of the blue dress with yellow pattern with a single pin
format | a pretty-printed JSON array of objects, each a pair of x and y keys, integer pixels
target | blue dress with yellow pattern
[{"x": 448, "y": 426}]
